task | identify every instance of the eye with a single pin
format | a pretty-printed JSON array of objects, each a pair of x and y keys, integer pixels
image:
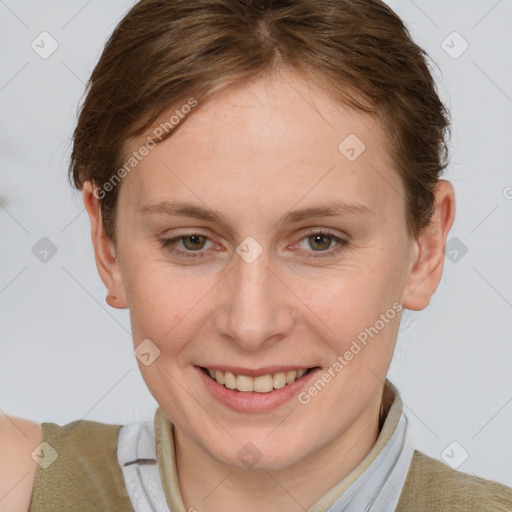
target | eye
[
  {"x": 321, "y": 241},
  {"x": 192, "y": 243}
]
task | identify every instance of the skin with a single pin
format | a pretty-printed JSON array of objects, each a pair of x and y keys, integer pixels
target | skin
[
  {"x": 254, "y": 153},
  {"x": 19, "y": 437}
]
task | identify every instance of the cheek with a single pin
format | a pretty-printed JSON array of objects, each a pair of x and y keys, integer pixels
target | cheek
[
  {"x": 361, "y": 310},
  {"x": 168, "y": 306},
  {"x": 154, "y": 300}
]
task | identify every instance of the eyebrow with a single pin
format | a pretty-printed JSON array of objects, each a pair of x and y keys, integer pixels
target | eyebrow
[{"x": 183, "y": 209}]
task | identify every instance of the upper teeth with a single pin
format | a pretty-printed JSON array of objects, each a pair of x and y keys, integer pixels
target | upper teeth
[{"x": 261, "y": 384}]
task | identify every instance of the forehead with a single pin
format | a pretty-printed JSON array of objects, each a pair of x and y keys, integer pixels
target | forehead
[{"x": 275, "y": 140}]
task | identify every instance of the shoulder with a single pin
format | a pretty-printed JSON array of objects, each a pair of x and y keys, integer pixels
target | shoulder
[
  {"x": 19, "y": 438},
  {"x": 78, "y": 465},
  {"x": 433, "y": 485}
]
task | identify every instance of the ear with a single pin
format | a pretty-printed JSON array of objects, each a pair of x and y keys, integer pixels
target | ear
[
  {"x": 427, "y": 257},
  {"x": 104, "y": 250}
]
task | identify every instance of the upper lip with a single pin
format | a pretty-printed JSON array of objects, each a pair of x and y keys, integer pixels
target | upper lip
[{"x": 256, "y": 372}]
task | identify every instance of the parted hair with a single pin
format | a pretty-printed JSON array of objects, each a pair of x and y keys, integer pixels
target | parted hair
[{"x": 165, "y": 52}]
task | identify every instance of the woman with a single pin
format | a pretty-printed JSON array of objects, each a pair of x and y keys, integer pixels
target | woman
[{"x": 263, "y": 185}]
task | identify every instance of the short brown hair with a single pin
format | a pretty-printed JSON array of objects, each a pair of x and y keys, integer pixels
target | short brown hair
[{"x": 163, "y": 52}]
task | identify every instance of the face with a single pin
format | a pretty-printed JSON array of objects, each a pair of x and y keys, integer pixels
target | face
[{"x": 226, "y": 264}]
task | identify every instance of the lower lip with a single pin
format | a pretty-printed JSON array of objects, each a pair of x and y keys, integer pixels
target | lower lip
[{"x": 251, "y": 401}]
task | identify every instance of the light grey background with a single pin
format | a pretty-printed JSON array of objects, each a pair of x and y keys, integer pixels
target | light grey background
[{"x": 65, "y": 354}]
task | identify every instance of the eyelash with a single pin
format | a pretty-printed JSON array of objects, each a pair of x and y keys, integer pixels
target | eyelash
[{"x": 341, "y": 244}]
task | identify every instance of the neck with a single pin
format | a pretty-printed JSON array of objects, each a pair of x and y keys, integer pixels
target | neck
[{"x": 209, "y": 485}]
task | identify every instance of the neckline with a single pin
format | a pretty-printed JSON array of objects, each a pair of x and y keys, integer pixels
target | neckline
[{"x": 392, "y": 409}]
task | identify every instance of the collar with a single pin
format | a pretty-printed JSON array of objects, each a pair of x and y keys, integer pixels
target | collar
[{"x": 373, "y": 485}]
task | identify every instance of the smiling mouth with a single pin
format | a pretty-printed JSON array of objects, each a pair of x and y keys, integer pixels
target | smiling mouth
[{"x": 261, "y": 384}]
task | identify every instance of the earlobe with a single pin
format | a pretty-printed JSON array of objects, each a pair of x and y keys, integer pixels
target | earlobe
[
  {"x": 104, "y": 251},
  {"x": 427, "y": 256}
]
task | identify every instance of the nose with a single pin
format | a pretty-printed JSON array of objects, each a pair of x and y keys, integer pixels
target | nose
[{"x": 256, "y": 308}]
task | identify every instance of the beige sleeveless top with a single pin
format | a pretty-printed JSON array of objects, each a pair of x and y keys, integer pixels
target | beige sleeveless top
[{"x": 86, "y": 475}]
